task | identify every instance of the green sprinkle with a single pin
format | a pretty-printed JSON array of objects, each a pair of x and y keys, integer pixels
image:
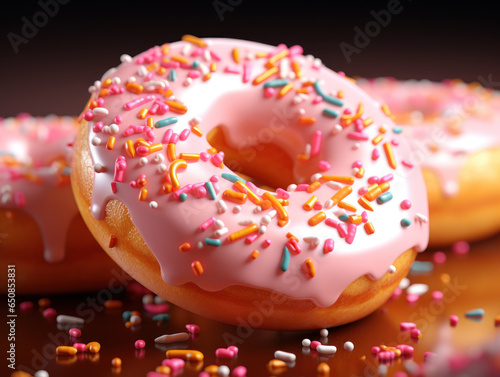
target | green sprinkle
[
  {"x": 326, "y": 97},
  {"x": 183, "y": 197},
  {"x": 126, "y": 315},
  {"x": 285, "y": 259},
  {"x": 166, "y": 122},
  {"x": 385, "y": 197},
  {"x": 344, "y": 217},
  {"x": 475, "y": 313},
  {"x": 210, "y": 190},
  {"x": 165, "y": 317},
  {"x": 213, "y": 242},
  {"x": 232, "y": 178},
  {"x": 397, "y": 129},
  {"x": 172, "y": 76},
  {"x": 196, "y": 64},
  {"x": 330, "y": 113},
  {"x": 405, "y": 223},
  {"x": 275, "y": 83}
]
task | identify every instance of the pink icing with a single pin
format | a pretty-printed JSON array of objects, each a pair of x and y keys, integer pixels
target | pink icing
[
  {"x": 437, "y": 111},
  {"x": 34, "y": 175},
  {"x": 167, "y": 221}
]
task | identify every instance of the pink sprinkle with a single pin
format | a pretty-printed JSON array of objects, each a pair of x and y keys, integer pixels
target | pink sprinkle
[
  {"x": 49, "y": 314},
  {"x": 207, "y": 223},
  {"x": 375, "y": 350},
  {"x": 194, "y": 74},
  {"x": 88, "y": 116},
  {"x": 317, "y": 99},
  {"x": 230, "y": 69},
  {"x": 358, "y": 125},
  {"x": 157, "y": 308},
  {"x": 174, "y": 138},
  {"x": 373, "y": 180},
  {"x": 460, "y": 247},
  {"x": 282, "y": 193},
  {"x": 342, "y": 229},
  {"x": 217, "y": 159},
  {"x": 324, "y": 165},
  {"x": 185, "y": 189},
  {"x": 406, "y": 204},
  {"x": 239, "y": 371},
  {"x": 394, "y": 142},
  {"x": 439, "y": 257},
  {"x": 437, "y": 295},
  {"x": 295, "y": 50},
  {"x": 364, "y": 216},
  {"x": 331, "y": 222},
  {"x": 215, "y": 56},
  {"x": 453, "y": 320},
  {"x": 200, "y": 192},
  {"x": 100, "y": 101},
  {"x": 375, "y": 154},
  {"x": 407, "y": 164},
  {"x": 184, "y": 134},
  {"x": 204, "y": 156},
  {"x": 363, "y": 190},
  {"x": 97, "y": 127},
  {"x": 224, "y": 353},
  {"x": 386, "y": 178},
  {"x": 154, "y": 109},
  {"x": 266, "y": 243},
  {"x": 406, "y": 326},
  {"x": 214, "y": 179},
  {"x": 197, "y": 52},
  {"x": 318, "y": 206},
  {"x": 138, "y": 102},
  {"x": 251, "y": 238},
  {"x": 118, "y": 119},
  {"x": 163, "y": 109},
  {"x": 202, "y": 374},
  {"x": 302, "y": 187},
  {"x": 315, "y": 344},
  {"x": 192, "y": 328},
  {"x": 120, "y": 166},
  {"x": 139, "y": 344},
  {"x": 74, "y": 332},
  {"x": 80, "y": 347},
  {"x": 316, "y": 143},
  {"x": 292, "y": 242},
  {"x": 175, "y": 364},
  {"x": 415, "y": 333},
  {"x": 113, "y": 187},
  {"x": 351, "y": 232},
  {"x": 26, "y": 306},
  {"x": 411, "y": 298},
  {"x": 329, "y": 245},
  {"x": 357, "y": 136},
  {"x": 269, "y": 92},
  {"x": 247, "y": 70},
  {"x": 142, "y": 151},
  {"x": 347, "y": 111},
  {"x": 405, "y": 349}
]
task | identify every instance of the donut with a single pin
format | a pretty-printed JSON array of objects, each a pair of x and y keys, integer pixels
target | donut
[
  {"x": 455, "y": 134},
  {"x": 239, "y": 182},
  {"x": 41, "y": 231}
]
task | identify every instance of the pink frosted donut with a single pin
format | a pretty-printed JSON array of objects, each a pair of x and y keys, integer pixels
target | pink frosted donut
[
  {"x": 310, "y": 244},
  {"x": 41, "y": 231},
  {"x": 455, "y": 134}
]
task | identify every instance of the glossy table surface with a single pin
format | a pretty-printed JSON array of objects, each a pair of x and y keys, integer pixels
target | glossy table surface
[{"x": 467, "y": 281}]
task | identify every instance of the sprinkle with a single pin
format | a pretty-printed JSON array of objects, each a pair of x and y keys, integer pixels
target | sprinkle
[
  {"x": 221, "y": 206},
  {"x": 389, "y": 153},
  {"x": 407, "y": 326},
  {"x": 309, "y": 204},
  {"x": 369, "y": 228},
  {"x": 232, "y": 178},
  {"x": 348, "y": 346},
  {"x": 275, "y": 83},
  {"x": 460, "y": 247},
  {"x": 384, "y": 198},
  {"x": 340, "y": 179},
  {"x": 285, "y": 259},
  {"x": 211, "y": 191},
  {"x": 329, "y": 245},
  {"x": 285, "y": 90},
  {"x": 183, "y": 197},
  {"x": 405, "y": 222},
  {"x": 317, "y": 218},
  {"x": 326, "y": 350},
  {"x": 66, "y": 319},
  {"x": 341, "y": 194},
  {"x": 265, "y": 75},
  {"x": 453, "y": 320},
  {"x": 316, "y": 143},
  {"x": 243, "y": 232},
  {"x": 418, "y": 289},
  {"x": 327, "y": 98},
  {"x": 347, "y": 206},
  {"x": 194, "y": 40},
  {"x": 197, "y": 269},
  {"x": 176, "y": 107},
  {"x": 234, "y": 196},
  {"x": 475, "y": 313},
  {"x": 236, "y": 55},
  {"x": 166, "y": 122},
  {"x": 143, "y": 194},
  {"x": 421, "y": 268},
  {"x": 307, "y": 121},
  {"x": 437, "y": 295},
  {"x": 311, "y": 270},
  {"x": 365, "y": 204},
  {"x": 172, "y": 172},
  {"x": 254, "y": 254},
  {"x": 330, "y": 113},
  {"x": 282, "y": 214},
  {"x": 351, "y": 233},
  {"x": 397, "y": 129}
]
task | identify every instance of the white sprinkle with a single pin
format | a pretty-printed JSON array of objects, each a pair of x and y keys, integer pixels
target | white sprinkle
[
  {"x": 143, "y": 161},
  {"x": 327, "y": 350},
  {"x": 316, "y": 177},
  {"x": 301, "y": 111},
  {"x": 186, "y": 49},
  {"x": 64, "y": 319},
  {"x": 135, "y": 320},
  {"x": 206, "y": 55},
  {"x": 328, "y": 204},
  {"x": 355, "y": 146},
  {"x": 339, "y": 212},
  {"x": 172, "y": 338},
  {"x": 96, "y": 141},
  {"x": 92, "y": 89},
  {"x": 292, "y": 76},
  {"x": 219, "y": 224},
  {"x": 142, "y": 71},
  {"x": 421, "y": 218},
  {"x": 306, "y": 342},
  {"x": 417, "y": 289},
  {"x": 323, "y": 333},
  {"x": 317, "y": 63},
  {"x": 246, "y": 222},
  {"x": 188, "y": 81},
  {"x": 153, "y": 204},
  {"x": 312, "y": 241},
  {"x": 257, "y": 209},
  {"x": 100, "y": 111},
  {"x": 131, "y": 79},
  {"x": 404, "y": 283},
  {"x": 262, "y": 229},
  {"x": 98, "y": 168},
  {"x": 153, "y": 85},
  {"x": 291, "y": 188},
  {"x": 41, "y": 373},
  {"x": 237, "y": 209},
  {"x": 116, "y": 80},
  {"x": 296, "y": 100},
  {"x": 159, "y": 158},
  {"x": 285, "y": 356},
  {"x": 382, "y": 370},
  {"x": 391, "y": 269},
  {"x": 147, "y": 299},
  {"x": 200, "y": 244},
  {"x": 337, "y": 129},
  {"x": 162, "y": 168},
  {"x": 221, "y": 206},
  {"x": 266, "y": 219},
  {"x": 220, "y": 232},
  {"x": 307, "y": 150},
  {"x": 114, "y": 129},
  {"x": 348, "y": 346},
  {"x": 124, "y": 58},
  {"x": 204, "y": 69},
  {"x": 97, "y": 84},
  {"x": 223, "y": 371},
  {"x": 272, "y": 214},
  {"x": 284, "y": 68}
]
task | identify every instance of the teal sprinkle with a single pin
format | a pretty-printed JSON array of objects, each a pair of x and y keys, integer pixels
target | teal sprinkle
[
  {"x": 66, "y": 171},
  {"x": 330, "y": 113},
  {"x": 183, "y": 197},
  {"x": 397, "y": 129},
  {"x": 232, "y": 178},
  {"x": 275, "y": 83},
  {"x": 421, "y": 268},
  {"x": 172, "y": 76},
  {"x": 285, "y": 259},
  {"x": 475, "y": 313},
  {"x": 166, "y": 122},
  {"x": 210, "y": 190},
  {"x": 126, "y": 315},
  {"x": 326, "y": 97},
  {"x": 405, "y": 223},
  {"x": 165, "y": 317},
  {"x": 213, "y": 242},
  {"x": 384, "y": 198},
  {"x": 344, "y": 217},
  {"x": 196, "y": 64}
]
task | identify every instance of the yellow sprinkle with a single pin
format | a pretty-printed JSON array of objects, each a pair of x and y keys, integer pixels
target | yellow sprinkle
[
  {"x": 255, "y": 254},
  {"x": 190, "y": 156},
  {"x": 180, "y": 59},
  {"x": 172, "y": 172},
  {"x": 369, "y": 228},
  {"x": 340, "y": 179},
  {"x": 310, "y": 267},
  {"x": 280, "y": 55},
  {"x": 367, "y": 122},
  {"x": 313, "y": 186},
  {"x": 285, "y": 90},
  {"x": 377, "y": 139},
  {"x": 389, "y": 153},
  {"x": 207, "y": 77},
  {"x": 243, "y": 232},
  {"x": 171, "y": 152},
  {"x": 387, "y": 112},
  {"x": 129, "y": 147},
  {"x": 111, "y": 143},
  {"x": 309, "y": 204},
  {"x": 236, "y": 55},
  {"x": 142, "y": 114},
  {"x": 365, "y": 204},
  {"x": 241, "y": 186},
  {"x": 340, "y": 94},
  {"x": 197, "y": 269},
  {"x": 265, "y": 75},
  {"x": 234, "y": 196},
  {"x": 213, "y": 67},
  {"x": 317, "y": 218},
  {"x": 355, "y": 219},
  {"x": 347, "y": 206},
  {"x": 150, "y": 122},
  {"x": 282, "y": 213},
  {"x": 152, "y": 66},
  {"x": 196, "y": 130},
  {"x": 161, "y": 71},
  {"x": 143, "y": 194},
  {"x": 341, "y": 194},
  {"x": 261, "y": 54},
  {"x": 194, "y": 40}
]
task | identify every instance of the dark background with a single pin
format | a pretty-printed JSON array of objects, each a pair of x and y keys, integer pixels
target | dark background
[{"x": 52, "y": 71}]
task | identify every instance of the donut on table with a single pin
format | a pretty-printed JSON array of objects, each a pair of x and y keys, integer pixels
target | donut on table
[
  {"x": 41, "y": 231},
  {"x": 164, "y": 141},
  {"x": 455, "y": 134}
]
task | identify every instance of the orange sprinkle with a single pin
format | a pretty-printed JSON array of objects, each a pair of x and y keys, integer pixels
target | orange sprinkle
[
  {"x": 165, "y": 48},
  {"x": 142, "y": 114},
  {"x": 373, "y": 194},
  {"x": 290, "y": 235},
  {"x": 377, "y": 139},
  {"x": 369, "y": 228},
  {"x": 236, "y": 55},
  {"x": 339, "y": 179},
  {"x": 196, "y": 130},
  {"x": 194, "y": 40},
  {"x": 262, "y": 54},
  {"x": 212, "y": 150},
  {"x": 130, "y": 148},
  {"x": 207, "y": 77},
  {"x": 497, "y": 321},
  {"x": 152, "y": 66},
  {"x": 176, "y": 107},
  {"x": 106, "y": 83},
  {"x": 389, "y": 153},
  {"x": 307, "y": 121},
  {"x": 190, "y": 156},
  {"x": 309, "y": 204},
  {"x": 111, "y": 143},
  {"x": 296, "y": 69},
  {"x": 311, "y": 270},
  {"x": 384, "y": 186},
  {"x": 143, "y": 194},
  {"x": 172, "y": 172},
  {"x": 317, "y": 218},
  {"x": 171, "y": 152},
  {"x": 387, "y": 112},
  {"x": 112, "y": 241},
  {"x": 103, "y": 92},
  {"x": 341, "y": 194},
  {"x": 155, "y": 147},
  {"x": 254, "y": 254},
  {"x": 243, "y": 232},
  {"x": 340, "y": 94},
  {"x": 163, "y": 369},
  {"x": 365, "y": 204},
  {"x": 280, "y": 55},
  {"x": 285, "y": 90},
  {"x": 150, "y": 122},
  {"x": 360, "y": 173},
  {"x": 213, "y": 67},
  {"x": 66, "y": 350},
  {"x": 169, "y": 93},
  {"x": 141, "y": 143},
  {"x": 265, "y": 75},
  {"x": 347, "y": 206},
  {"x": 276, "y": 364},
  {"x": 303, "y": 157},
  {"x": 382, "y": 130},
  {"x": 185, "y": 247},
  {"x": 93, "y": 347},
  {"x": 161, "y": 71},
  {"x": 167, "y": 187},
  {"x": 134, "y": 87},
  {"x": 355, "y": 219},
  {"x": 197, "y": 267},
  {"x": 116, "y": 362},
  {"x": 282, "y": 213},
  {"x": 313, "y": 186},
  {"x": 113, "y": 304},
  {"x": 234, "y": 196},
  {"x": 323, "y": 369},
  {"x": 349, "y": 118},
  {"x": 180, "y": 59},
  {"x": 302, "y": 90}
]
